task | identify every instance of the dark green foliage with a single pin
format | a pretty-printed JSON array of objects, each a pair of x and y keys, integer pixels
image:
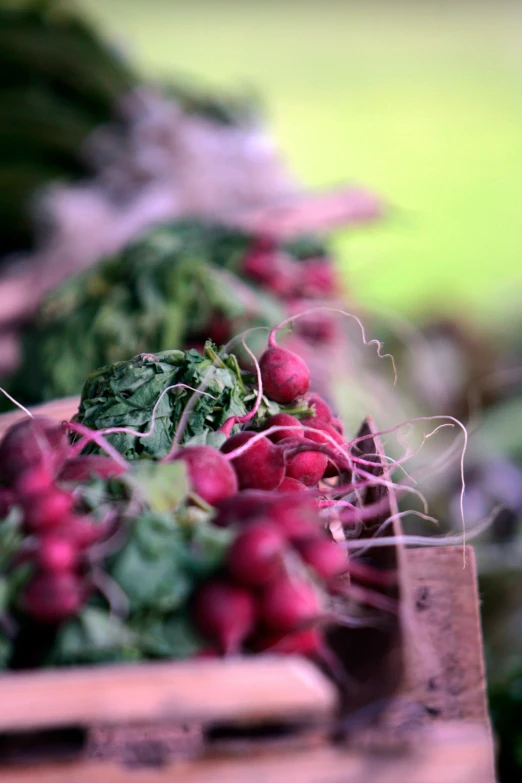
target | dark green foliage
[
  {"x": 124, "y": 395},
  {"x": 160, "y": 292}
]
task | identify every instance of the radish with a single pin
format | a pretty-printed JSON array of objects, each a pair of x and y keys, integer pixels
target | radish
[
  {"x": 316, "y": 328},
  {"x": 247, "y": 506},
  {"x": 291, "y": 485},
  {"x": 294, "y": 514},
  {"x": 259, "y": 467},
  {"x": 53, "y": 597},
  {"x": 256, "y": 556},
  {"x": 81, "y": 530},
  {"x": 33, "y": 481},
  {"x": 46, "y": 509},
  {"x": 56, "y": 554},
  {"x": 284, "y": 374},
  {"x": 307, "y": 467},
  {"x": 284, "y": 420},
  {"x": 32, "y": 442},
  {"x": 321, "y": 409},
  {"x": 83, "y": 468},
  {"x": 322, "y": 426},
  {"x": 211, "y": 475},
  {"x": 307, "y": 641},
  {"x": 318, "y": 278},
  {"x": 324, "y": 556},
  {"x": 225, "y": 614},
  {"x": 288, "y": 604},
  {"x": 274, "y": 270}
]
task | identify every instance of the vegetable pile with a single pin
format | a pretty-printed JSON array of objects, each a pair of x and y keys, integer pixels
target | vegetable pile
[
  {"x": 178, "y": 284},
  {"x": 190, "y": 508}
]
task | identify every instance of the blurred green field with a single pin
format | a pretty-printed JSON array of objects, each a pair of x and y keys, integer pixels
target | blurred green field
[{"x": 422, "y": 101}]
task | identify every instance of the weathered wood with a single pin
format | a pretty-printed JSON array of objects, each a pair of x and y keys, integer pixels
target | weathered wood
[
  {"x": 451, "y": 753},
  {"x": 242, "y": 689}
]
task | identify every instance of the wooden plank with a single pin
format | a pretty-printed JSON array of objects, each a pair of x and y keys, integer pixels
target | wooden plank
[
  {"x": 450, "y": 671},
  {"x": 60, "y": 410},
  {"x": 245, "y": 689},
  {"x": 453, "y": 753}
]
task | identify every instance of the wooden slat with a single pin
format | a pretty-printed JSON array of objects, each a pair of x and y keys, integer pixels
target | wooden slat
[
  {"x": 449, "y": 672},
  {"x": 60, "y": 410},
  {"x": 452, "y": 753},
  {"x": 243, "y": 689}
]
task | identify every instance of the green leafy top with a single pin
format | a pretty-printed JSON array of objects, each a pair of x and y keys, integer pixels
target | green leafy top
[{"x": 124, "y": 395}]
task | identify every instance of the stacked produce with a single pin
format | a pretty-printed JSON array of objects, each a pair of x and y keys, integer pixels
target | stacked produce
[
  {"x": 190, "y": 508},
  {"x": 178, "y": 284}
]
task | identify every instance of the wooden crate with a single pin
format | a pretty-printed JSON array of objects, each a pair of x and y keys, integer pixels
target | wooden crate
[
  {"x": 418, "y": 713},
  {"x": 266, "y": 718}
]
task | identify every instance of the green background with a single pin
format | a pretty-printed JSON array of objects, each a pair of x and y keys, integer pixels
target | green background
[{"x": 422, "y": 101}]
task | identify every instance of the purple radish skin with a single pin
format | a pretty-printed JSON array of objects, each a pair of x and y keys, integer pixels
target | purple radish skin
[
  {"x": 284, "y": 374},
  {"x": 225, "y": 614},
  {"x": 256, "y": 556},
  {"x": 261, "y": 466},
  {"x": 211, "y": 476}
]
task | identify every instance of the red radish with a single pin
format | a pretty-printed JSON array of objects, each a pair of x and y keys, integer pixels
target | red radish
[
  {"x": 316, "y": 328},
  {"x": 88, "y": 466},
  {"x": 291, "y": 485},
  {"x": 53, "y": 597},
  {"x": 307, "y": 467},
  {"x": 219, "y": 329},
  {"x": 284, "y": 374},
  {"x": 321, "y": 409},
  {"x": 274, "y": 270},
  {"x": 324, "y": 556},
  {"x": 259, "y": 467},
  {"x": 322, "y": 426},
  {"x": 318, "y": 278},
  {"x": 212, "y": 477},
  {"x": 294, "y": 514},
  {"x": 288, "y": 604},
  {"x": 56, "y": 554},
  {"x": 224, "y": 613},
  {"x": 81, "y": 531},
  {"x": 284, "y": 420},
  {"x": 308, "y": 641},
  {"x": 46, "y": 509},
  {"x": 256, "y": 556},
  {"x": 36, "y": 479},
  {"x": 31, "y": 442},
  {"x": 245, "y": 507}
]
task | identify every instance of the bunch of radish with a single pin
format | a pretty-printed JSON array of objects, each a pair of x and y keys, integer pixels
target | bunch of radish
[
  {"x": 36, "y": 468},
  {"x": 297, "y": 283},
  {"x": 275, "y": 588},
  {"x": 270, "y": 484},
  {"x": 273, "y": 592}
]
